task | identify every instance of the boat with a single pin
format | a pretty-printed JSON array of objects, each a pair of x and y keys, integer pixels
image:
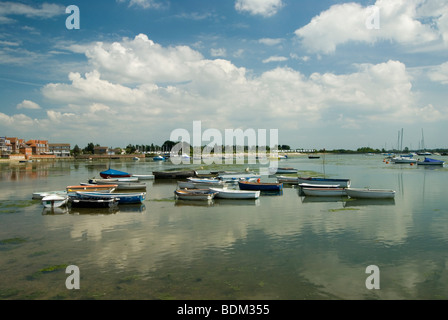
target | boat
[
  {"x": 143, "y": 176},
  {"x": 236, "y": 176},
  {"x": 403, "y": 159},
  {"x": 93, "y": 187},
  {"x": 41, "y": 194},
  {"x": 236, "y": 194},
  {"x": 122, "y": 198},
  {"x": 93, "y": 203},
  {"x": 111, "y": 173},
  {"x": 54, "y": 201},
  {"x": 174, "y": 174},
  {"x": 275, "y": 170},
  {"x": 184, "y": 194},
  {"x": 287, "y": 180},
  {"x": 343, "y": 183},
  {"x": 313, "y": 157},
  {"x": 431, "y": 162},
  {"x": 121, "y": 184},
  {"x": 311, "y": 185},
  {"x": 159, "y": 158},
  {"x": 324, "y": 192},
  {"x": 201, "y": 183},
  {"x": 262, "y": 186},
  {"x": 367, "y": 193}
]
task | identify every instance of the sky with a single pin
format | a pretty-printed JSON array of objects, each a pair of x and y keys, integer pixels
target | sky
[{"x": 324, "y": 74}]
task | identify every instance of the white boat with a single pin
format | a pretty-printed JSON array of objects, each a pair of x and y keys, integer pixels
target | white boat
[
  {"x": 54, "y": 201},
  {"x": 194, "y": 195},
  {"x": 287, "y": 180},
  {"x": 275, "y": 170},
  {"x": 194, "y": 183},
  {"x": 343, "y": 183},
  {"x": 143, "y": 176},
  {"x": 236, "y": 194},
  {"x": 366, "y": 193},
  {"x": 324, "y": 192},
  {"x": 403, "y": 160},
  {"x": 236, "y": 176},
  {"x": 42, "y": 194},
  {"x": 311, "y": 185}
]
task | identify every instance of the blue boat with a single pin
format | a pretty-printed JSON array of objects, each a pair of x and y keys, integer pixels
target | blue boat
[
  {"x": 122, "y": 198},
  {"x": 111, "y": 173},
  {"x": 159, "y": 158},
  {"x": 429, "y": 161},
  {"x": 262, "y": 186}
]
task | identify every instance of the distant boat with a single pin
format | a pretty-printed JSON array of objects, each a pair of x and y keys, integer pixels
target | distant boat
[
  {"x": 274, "y": 170},
  {"x": 54, "y": 201},
  {"x": 262, "y": 186},
  {"x": 111, "y": 173},
  {"x": 366, "y": 193},
  {"x": 313, "y": 157},
  {"x": 236, "y": 194},
  {"x": 136, "y": 158},
  {"x": 159, "y": 158},
  {"x": 431, "y": 162},
  {"x": 343, "y": 183},
  {"x": 194, "y": 195},
  {"x": 403, "y": 159},
  {"x": 122, "y": 198},
  {"x": 324, "y": 192}
]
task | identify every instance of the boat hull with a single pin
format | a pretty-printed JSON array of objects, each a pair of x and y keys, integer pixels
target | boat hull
[
  {"x": 246, "y": 185},
  {"x": 324, "y": 192},
  {"x": 370, "y": 193},
  {"x": 343, "y": 183},
  {"x": 93, "y": 203},
  {"x": 54, "y": 201},
  {"x": 122, "y": 198},
  {"x": 194, "y": 195},
  {"x": 236, "y": 194}
]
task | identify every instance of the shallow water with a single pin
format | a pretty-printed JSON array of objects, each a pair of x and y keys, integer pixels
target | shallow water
[{"x": 281, "y": 246}]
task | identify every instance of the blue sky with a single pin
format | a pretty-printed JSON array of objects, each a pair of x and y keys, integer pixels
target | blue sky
[{"x": 326, "y": 74}]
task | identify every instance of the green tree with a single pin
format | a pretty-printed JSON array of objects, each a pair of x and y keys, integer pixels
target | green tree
[{"x": 76, "y": 150}]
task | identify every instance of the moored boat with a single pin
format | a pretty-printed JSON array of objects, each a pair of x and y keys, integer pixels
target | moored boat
[
  {"x": 236, "y": 194},
  {"x": 431, "y": 162},
  {"x": 41, "y": 194},
  {"x": 324, "y": 192},
  {"x": 343, "y": 183},
  {"x": 54, "y": 201},
  {"x": 184, "y": 194},
  {"x": 174, "y": 174},
  {"x": 143, "y": 176},
  {"x": 403, "y": 159},
  {"x": 366, "y": 193},
  {"x": 262, "y": 186},
  {"x": 275, "y": 170},
  {"x": 111, "y": 173},
  {"x": 122, "y": 198},
  {"x": 92, "y": 187}
]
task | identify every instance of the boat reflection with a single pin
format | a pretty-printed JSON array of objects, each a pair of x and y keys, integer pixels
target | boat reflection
[
  {"x": 237, "y": 202},
  {"x": 194, "y": 203},
  {"x": 308, "y": 199},
  {"x": 369, "y": 202},
  {"x": 55, "y": 211}
]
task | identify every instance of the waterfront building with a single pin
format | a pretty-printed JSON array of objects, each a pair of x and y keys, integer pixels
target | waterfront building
[{"x": 59, "y": 150}]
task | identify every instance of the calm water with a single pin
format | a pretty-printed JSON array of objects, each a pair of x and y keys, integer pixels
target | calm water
[{"x": 277, "y": 247}]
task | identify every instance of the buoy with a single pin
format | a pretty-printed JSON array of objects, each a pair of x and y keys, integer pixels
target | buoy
[
  {"x": 258, "y": 180},
  {"x": 387, "y": 162}
]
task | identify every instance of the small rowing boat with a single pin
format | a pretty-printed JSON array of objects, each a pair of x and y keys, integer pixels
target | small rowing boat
[{"x": 366, "y": 193}]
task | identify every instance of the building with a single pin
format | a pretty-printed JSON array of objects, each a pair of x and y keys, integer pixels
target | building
[
  {"x": 39, "y": 147},
  {"x": 5, "y": 146},
  {"x": 100, "y": 150},
  {"x": 60, "y": 150}
]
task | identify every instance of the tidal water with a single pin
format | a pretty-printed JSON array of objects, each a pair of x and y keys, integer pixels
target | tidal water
[{"x": 278, "y": 247}]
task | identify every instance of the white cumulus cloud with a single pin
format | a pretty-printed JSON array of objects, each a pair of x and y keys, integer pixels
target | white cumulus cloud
[{"x": 264, "y": 8}]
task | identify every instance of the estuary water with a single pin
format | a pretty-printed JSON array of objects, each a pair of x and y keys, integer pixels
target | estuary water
[{"x": 278, "y": 247}]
